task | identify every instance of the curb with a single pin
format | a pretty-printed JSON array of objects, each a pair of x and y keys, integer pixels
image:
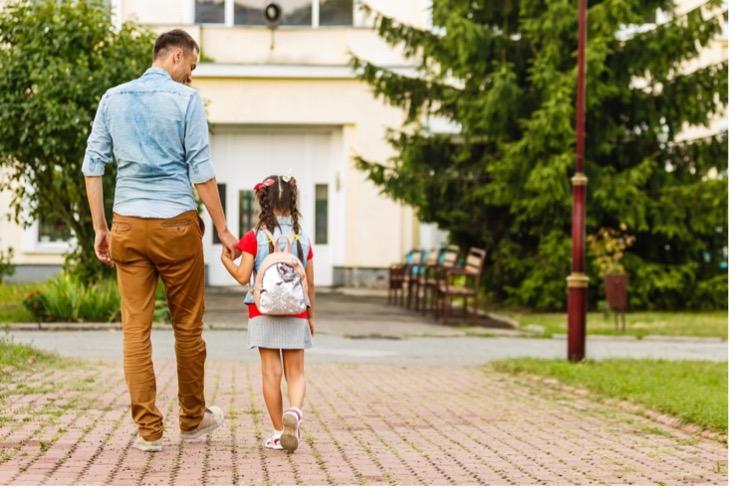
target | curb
[
  {"x": 658, "y": 338},
  {"x": 94, "y": 326},
  {"x": 465, "y": 332}
]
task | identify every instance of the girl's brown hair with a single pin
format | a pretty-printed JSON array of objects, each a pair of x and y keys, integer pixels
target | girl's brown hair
[{"x": 280, "y": 196}]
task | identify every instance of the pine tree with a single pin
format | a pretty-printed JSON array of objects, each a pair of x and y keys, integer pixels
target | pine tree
[{"x": 504, "y": 72}]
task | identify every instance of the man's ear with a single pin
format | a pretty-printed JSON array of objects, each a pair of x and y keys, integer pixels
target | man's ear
[{"x": 177, "y": 55}]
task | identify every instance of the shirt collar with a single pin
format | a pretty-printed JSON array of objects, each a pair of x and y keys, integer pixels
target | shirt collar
[
  {"x": 155, "y": 70},
  {"x": 284, "y": 219}
]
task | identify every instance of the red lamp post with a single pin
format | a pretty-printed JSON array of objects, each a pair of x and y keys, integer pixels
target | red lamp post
[{"x": 578, "y": 281}]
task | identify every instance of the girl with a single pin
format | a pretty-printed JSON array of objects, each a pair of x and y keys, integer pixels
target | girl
[{"x": 281, "y": 340}]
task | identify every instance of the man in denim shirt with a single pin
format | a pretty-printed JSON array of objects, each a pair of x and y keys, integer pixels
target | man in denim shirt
[{"x": 155, "y": 129}]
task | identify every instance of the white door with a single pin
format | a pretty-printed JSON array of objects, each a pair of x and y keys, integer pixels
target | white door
[{"x": 244, "y": 157}]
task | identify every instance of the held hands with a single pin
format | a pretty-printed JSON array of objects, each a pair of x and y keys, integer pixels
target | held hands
[
  {"x": 225, "y": 257},
  {"x": 229, "y": 245},
  {"x": 101, "y": 246}
]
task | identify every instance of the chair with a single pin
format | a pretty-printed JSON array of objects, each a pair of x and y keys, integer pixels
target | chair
[
  {"x": 398, "y": 277},
  {"x": 413, "y": 272},
  {"x": 417, "y": 274},
  {"x": 447, "y": 288},
  {"x": 447, "y": 257}
]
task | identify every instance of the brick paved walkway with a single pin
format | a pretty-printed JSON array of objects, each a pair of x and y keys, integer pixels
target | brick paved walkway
[{"x": 365, "y": 425}]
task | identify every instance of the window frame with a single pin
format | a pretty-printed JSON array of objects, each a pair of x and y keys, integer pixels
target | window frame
[
  {"x": 325, "y": 222},
  {"x": 356, "y": 17},
  {"x": 221, "y": 188},
  {"x": 254, "y": 211},
  {"x": 55, "y": 243},
  {"x": 31, "y": 242}
]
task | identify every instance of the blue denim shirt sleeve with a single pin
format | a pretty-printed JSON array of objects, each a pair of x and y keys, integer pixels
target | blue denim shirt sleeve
[
  {"x": 99, "y": 144},
  {"x": 196, "y": 142}
]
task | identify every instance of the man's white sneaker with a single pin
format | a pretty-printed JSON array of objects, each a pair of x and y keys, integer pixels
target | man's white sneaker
[
  {"x": 213, "y": 419},
  {"x": 148, "y": 446}
]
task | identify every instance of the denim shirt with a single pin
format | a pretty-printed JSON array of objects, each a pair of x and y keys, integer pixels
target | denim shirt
[
  {"x": 155, "y": 129},
  {"x": 263, "y": 247}
]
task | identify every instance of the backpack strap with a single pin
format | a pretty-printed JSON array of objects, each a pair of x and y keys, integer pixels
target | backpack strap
[{"x": 276, "y": 242}]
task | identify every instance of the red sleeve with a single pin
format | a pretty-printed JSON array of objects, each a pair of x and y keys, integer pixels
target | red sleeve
[
  {"x": 310, "y": 251},
  {"x": 248, "y": 243}
]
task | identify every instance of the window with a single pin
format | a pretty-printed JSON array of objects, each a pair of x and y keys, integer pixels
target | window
[
  {"x": 295, "y": 12},
  {"x": 52, "y": 231},
  {"x": 336, "y": 12},
  {"x": 321, "y": 214},
  {"x": 209, "y": 12},
  {"x": 222, "y": 187},
  {"x": 249, "y": 211},
  {"x": 248, "y": 12}
]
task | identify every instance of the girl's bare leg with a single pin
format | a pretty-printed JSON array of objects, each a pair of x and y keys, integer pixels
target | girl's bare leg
[
  {"x": 293, "y": 362},
  {"x": 272, "y": 373}
]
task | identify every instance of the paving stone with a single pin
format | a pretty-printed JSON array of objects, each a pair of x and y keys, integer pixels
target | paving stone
[{"x": 365, "y": 424}]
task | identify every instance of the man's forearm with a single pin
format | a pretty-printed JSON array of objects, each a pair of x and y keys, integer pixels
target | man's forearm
[
  {"x": 209, "y": 194},
  {"x": 95, "y": 196}
]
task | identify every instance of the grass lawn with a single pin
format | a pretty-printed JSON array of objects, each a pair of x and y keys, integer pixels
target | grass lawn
[
  {"x": 20, "y": 357},
  {"x": 11, "y": 302},
  {"x": 639, "y": 324},
  {"x": 693, "y": 391}
]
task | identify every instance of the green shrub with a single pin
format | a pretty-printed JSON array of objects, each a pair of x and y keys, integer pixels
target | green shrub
[
  {"x": 100, "y": 303},
  {"x": 711, "y": 294},
  {"x": 7, "y": 268},
  {"x": 65, "y": 299},
  {"x": 37, "y": 304},
  {"x": 161, "y": 314}
]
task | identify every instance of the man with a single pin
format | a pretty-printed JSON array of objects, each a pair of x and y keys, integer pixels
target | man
[{"x": 155, "y": 129}]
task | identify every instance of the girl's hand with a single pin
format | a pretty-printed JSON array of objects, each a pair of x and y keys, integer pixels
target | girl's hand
[
  {"x": 312, "y": 325},
  {"x": 225, "y": 254}
]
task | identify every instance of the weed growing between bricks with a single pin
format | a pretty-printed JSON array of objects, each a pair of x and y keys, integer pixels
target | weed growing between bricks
[{"x": 365, "y": 424}]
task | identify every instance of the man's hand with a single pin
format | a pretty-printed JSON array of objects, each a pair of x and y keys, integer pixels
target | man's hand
[
  {"x": 209, "y": 193},
  {"x": 96, "y": 206},
  {"x": 230, "y": 244},
  {"x": 101, "y": 246}
]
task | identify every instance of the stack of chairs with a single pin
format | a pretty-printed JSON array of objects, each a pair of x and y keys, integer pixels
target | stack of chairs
[{"x": 430, "y": 281}]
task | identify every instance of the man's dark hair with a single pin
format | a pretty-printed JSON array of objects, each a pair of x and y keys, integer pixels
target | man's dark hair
[{"x": 174, "y": 38}]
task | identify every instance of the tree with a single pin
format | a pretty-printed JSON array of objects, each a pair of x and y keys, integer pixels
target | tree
[
  {"x": 504, "y": 73},
  {"x": 56, "y": 61}
]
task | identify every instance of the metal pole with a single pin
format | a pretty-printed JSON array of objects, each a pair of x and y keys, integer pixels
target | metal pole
[{"x": 578, "y": 281}]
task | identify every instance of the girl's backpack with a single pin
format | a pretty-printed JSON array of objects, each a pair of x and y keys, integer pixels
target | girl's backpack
[{"x": 281, "y": 287}]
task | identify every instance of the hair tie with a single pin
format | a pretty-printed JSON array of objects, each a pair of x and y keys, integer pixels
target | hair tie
[{"x": 264, "y": 184}]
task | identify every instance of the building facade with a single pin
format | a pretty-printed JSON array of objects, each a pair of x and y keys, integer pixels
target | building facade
[{"x": 283, "y": 101}]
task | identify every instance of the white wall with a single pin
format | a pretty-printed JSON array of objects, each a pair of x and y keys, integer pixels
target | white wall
[{"x": 377, "y": 230}]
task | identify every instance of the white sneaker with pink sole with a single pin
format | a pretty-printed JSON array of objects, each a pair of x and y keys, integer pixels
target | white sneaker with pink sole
[{"x": 290, "y": 439}]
